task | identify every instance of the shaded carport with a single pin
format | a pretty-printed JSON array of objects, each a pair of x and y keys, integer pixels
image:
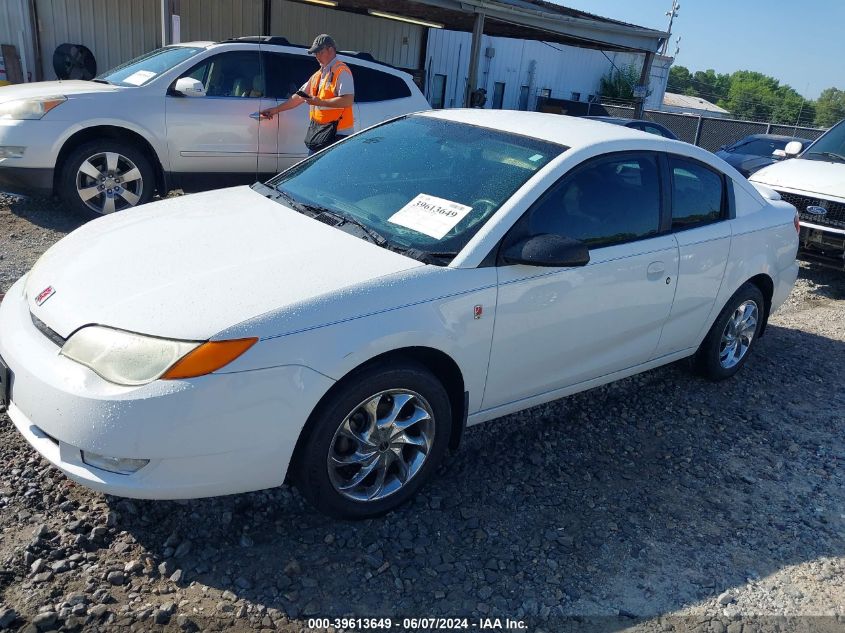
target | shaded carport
[{"x": 521, "y": 19}]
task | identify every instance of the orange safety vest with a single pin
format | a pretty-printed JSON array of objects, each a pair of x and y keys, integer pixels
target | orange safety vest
[{"x": 323, "y": 115}]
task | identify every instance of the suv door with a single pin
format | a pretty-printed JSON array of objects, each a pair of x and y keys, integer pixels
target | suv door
[
  {"x": 700, "y": 212},
  {"x": 559, "y": 327},
  {"x": 286, "y": 73},
  {"x": 216, "y": 136}
]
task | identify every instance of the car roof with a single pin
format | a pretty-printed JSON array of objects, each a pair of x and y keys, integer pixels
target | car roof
[{"x": 565, "y": 130}]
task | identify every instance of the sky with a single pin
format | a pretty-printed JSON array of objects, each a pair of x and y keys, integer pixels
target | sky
[{"x": 800, "y": 43}]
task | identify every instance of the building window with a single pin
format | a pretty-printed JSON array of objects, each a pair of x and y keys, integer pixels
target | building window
[
  {"x": 498, "y": 95},
  {"x": 438, "y": 91},
  {"x": 523, "y": 98},
  {"x": 576, "y": 96},
  {"x": 545, "y": 93}
]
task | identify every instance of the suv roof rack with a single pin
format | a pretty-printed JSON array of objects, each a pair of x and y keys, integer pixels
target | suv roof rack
[
  {"x": 278, "y": 40},
  {"x": 262, "y": 39}
]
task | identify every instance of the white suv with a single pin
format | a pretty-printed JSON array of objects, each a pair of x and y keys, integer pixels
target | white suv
[
  {"x": 814, "y": 182},
  {"x": 182, "y": 116}
]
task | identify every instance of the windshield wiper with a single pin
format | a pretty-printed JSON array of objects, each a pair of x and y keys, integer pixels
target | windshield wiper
[
  {"x": 375, "y": 237},
  {"x": 100, "y": 81},
  {"x": 831, "y": 155}
]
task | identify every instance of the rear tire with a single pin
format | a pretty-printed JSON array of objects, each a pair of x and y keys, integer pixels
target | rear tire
[
  {"x": 375, "y": 441},
  {"x": 728, "y": 344},
  {"x": 104, "y": 176}
]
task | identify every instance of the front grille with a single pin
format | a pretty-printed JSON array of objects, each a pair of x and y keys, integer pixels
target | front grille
[
  {"x": 835, "y": 210},
  {"x": 46, "y": 331}
]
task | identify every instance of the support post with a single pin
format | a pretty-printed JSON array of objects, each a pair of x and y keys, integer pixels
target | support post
[
  {"x": 166, "y": 12},
  {"x": 474, "y": 56},
  {"x": 266, "y": 17},
  {"x": 697, "y": 138},
  {"x": 645, "y": 75}
]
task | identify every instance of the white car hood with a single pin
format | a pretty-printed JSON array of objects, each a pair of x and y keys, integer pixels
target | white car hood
[
  {"x": 53, "y": 88},
  {"x": 813, "y": 176},
  {"x": 192, "y": 266}
]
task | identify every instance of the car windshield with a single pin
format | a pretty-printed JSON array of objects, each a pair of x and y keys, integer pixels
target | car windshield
[
  {"x": 759, "y": 146},
  {"x": 420, "y": 185},
  {"x": 829, "y": 146},
  {"x": 138, "y": 71}
]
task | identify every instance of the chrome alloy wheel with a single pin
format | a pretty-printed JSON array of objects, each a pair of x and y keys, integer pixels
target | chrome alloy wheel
[
  {"x": 381, "y": 445},
  {"x": 109, "y": 182},
  {"x": 738, "y": 333}
]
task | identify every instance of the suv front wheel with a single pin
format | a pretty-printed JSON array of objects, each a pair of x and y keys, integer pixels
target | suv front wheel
[{"x": 101, "y": 177}]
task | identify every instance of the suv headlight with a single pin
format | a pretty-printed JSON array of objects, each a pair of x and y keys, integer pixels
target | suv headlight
[
  {"x": 29, "y": 108},
  {"x": 127, "y": 358}
]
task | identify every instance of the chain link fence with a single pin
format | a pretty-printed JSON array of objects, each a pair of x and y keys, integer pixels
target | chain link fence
[{"x": 707, "y": 132}]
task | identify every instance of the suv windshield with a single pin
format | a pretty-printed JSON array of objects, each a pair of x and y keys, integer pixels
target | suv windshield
[
  {"x": 423, "y": 185},
  {"x": 138, "y": 71},
  {"x": 830, "y": 146}
]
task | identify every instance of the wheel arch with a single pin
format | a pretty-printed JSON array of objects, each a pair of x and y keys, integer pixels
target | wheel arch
[
  {"x": 112, "y": 133},
  {"x": 440, "y": 364},
  {"x": 766, "y": 285}
]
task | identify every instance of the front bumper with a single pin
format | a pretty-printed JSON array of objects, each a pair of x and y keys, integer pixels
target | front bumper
[
  {"x": 214, "y": 435},
  {"x": 822, "y": 244},
  {"x": 25, "y": 180}
]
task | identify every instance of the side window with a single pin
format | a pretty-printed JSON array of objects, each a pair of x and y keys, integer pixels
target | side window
[
  {"x": 233, "y": 74},
  {"x": 655, "y": 130},
  {"x": 374, "y": 85},
  {"x": 607, "y": 201},
  {"x": 697, "y": 194},
  {"x": 286, "y": 73}
]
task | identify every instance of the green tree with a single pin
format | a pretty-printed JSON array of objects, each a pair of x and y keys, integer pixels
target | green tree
[
  {"x": 830, "y": 107},
  {"x": 619, "y": 83},
  {"x": 680, "y": 80}
]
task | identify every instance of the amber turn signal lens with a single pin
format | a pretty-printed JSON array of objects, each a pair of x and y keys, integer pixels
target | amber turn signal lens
[{"x": 208, "y": 357}]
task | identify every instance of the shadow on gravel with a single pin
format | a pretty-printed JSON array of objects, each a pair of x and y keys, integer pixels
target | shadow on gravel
[
  {"x": 46, "y": 212},
  {"x": 635, "y": 499},
  {"x": 827, "y": 282}
]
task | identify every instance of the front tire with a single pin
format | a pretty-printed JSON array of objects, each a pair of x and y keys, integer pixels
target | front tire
[
  {"x": 375, "y": 441},
  {"x": 104, "y": 176},
  {"x": 728, "y": 344}
]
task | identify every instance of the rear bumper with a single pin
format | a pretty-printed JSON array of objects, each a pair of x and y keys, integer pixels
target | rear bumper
[{"x": 26, "y": 180}]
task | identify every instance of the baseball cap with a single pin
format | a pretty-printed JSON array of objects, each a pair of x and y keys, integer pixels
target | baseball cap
[{"x": 322, "y": 41}]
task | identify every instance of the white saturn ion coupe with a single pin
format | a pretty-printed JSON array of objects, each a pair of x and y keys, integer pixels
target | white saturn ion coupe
[{"x": 342, "y": 324}]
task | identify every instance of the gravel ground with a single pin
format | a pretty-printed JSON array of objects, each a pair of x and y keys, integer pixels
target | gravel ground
[{"x": 661, "y": 502}]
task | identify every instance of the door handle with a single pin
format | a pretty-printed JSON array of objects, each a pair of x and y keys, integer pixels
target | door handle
[
  {"x": 656, "y": 268},
  {"x": 256, "y": 116}
]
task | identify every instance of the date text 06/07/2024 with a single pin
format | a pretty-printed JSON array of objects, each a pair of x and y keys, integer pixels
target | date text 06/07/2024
[{"x": 424, "y": 623}]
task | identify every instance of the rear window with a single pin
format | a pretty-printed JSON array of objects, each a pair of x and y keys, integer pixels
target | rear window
[{"x": 375, "y": 85}]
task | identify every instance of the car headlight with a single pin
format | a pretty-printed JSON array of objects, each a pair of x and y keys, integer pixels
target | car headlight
[
  {"x": 127, "y": 358},
  {"x": 30, "y": 108}
]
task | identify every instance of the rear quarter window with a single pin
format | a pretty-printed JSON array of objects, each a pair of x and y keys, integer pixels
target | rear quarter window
[{"x": 374, "y": 85}]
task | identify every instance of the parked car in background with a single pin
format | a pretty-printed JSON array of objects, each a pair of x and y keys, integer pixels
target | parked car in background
[
  {"x": 757, "y": 151},
  {"x": 637, "y": 124},
  {"x": 337, "y": 324},
  {"x": 814, "y": 181},
  {"x": 182, "y": 116}
]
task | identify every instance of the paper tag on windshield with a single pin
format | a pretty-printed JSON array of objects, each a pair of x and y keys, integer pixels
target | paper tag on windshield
[
  {"x": 430, "y": 215},
  {"x": 139, "y": 77}
]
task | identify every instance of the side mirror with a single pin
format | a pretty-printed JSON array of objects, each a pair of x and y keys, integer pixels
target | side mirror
[
  {"x": 553, "y": 251},
  {"x": 779, "y": 153},
  {"x": 793, "y": 148},
  {"x": 189, "y": 87}
]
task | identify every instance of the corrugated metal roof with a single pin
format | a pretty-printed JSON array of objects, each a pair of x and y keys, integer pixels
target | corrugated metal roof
[{"x": 696, "y": 103}]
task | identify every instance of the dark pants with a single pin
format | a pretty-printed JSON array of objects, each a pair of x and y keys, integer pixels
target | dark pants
[{"x": 338, "y": 137}]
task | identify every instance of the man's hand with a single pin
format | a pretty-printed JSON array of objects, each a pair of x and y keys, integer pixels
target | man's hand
[{"x": 269, "y": 113}]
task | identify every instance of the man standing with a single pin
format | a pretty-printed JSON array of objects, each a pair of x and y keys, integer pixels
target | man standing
[{"x": 329, "y": 93}]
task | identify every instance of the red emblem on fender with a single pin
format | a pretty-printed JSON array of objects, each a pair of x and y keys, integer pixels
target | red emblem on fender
[{"x": 45, "y": 294}]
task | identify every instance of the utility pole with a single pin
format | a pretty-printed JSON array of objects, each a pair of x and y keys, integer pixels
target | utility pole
[{"x": 672, "y": 14}]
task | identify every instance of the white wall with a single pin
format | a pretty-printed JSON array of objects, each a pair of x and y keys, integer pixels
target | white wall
[{"x": 563, "y": 69}]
